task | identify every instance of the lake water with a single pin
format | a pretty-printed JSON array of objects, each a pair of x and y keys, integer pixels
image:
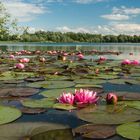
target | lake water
[
  {"x": 65, "y": 117},
  {"x": 125, "y": 48}
]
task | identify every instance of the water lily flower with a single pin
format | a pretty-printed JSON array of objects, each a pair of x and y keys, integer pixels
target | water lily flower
[
  {"x": 20, "y": 66},
  {"x": 24, "y": 60},
  {"x": 80, "y": 56},
  {"x": 135, "y": 62},
  {"x": 102, "y": 58},
  {"x": 66, "y": 98},
  {"x": 84, "y": 96},
  {"x": 42, "y": 59},
  {"x": 126, "y": 62},
  {"x": 111, "y": 98},
  {"x": 11, "y": 56}
]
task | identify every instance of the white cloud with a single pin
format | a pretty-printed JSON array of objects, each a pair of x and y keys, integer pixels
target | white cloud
[
  {"x": 75, "y": 30},
  {"x": 122, "y": 13},
  {"x": 115, "y": 17},
  {"x": 125, "y": 10},
  {"x": 23, "y": 11},
  {"x": 87, "y": 1},
  {"x": 115, "y": 29}
]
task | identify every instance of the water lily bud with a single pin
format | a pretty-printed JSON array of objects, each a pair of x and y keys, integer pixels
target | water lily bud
[
  {"x": 20, "y": 66},
  {"x": 111, "y": 98}
]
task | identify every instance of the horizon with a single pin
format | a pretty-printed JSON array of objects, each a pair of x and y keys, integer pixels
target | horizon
[{"x": 85, "y": 16}]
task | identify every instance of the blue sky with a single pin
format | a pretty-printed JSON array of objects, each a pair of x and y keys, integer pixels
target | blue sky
[{"x": 92, "y": 16}]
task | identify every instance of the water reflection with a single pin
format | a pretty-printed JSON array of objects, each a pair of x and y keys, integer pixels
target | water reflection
[{"x": 126, "y": 48}]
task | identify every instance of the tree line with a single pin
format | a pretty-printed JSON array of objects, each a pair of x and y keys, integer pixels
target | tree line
[{"x": 9, "y": 32}]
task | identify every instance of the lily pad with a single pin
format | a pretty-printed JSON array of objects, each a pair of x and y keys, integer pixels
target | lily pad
[
  {"x": 52, "y": 84},
  {"x": 16, "y": 131},
  {"x": 18, "y": 92},
  {"x": 8, "y": 114},
  {"x": 63, "y": 106},
  {"x": 107, "y": 76},
  {"x": 109, "y": 114},
  {"x": 40, "y": 103},
  {"x": 35, "y": 79},
  {"x": 134, "y": 104},
  {"x": 27, "y": 110},
  {"x": 129, "y": 130},
  {"x": 89, "y": 81},
  {"x": 95, "y": 131},
  {"x": 88, "y": 86},
  {"x": 58, "y": 84},
  {"x": 61, "y": 134},
  {"x": 56, "y": 92}
]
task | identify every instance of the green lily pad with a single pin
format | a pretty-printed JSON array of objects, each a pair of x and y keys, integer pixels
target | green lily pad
[
  {"x": 40, "y": 103},
  {"x": 107, "y": 76},
  {"x": 10, "y": 75},
  {"x": 52, "y": 84},
  {"x": 88, "y": 86},
  {"x": 58, "y": 84},
  {"x": 89, "y": 81},
  {"x": 95, "y": 131},
  {"x": 63, "y": 106},
  {"x": 8, "y": 114},
  {"x": 109, "y": 114},
  {"x": 134, "y": 104},
  {"x": 129, "y": 130},
  {"x": 55, "y": 93},
  {"x": 16, "y": 131}
]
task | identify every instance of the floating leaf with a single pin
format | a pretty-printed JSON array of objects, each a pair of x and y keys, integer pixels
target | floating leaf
[
  {"x": 89, "y": 81},
  {"x": 109, "y": 114},
  {"x": 35, "y": 79},
  {"x": 63, "y": 106},
  {"x": 129, "y": 130},
  {"x": 88, "y": 86},
  {"x": 18, "y": 92},
  {"x": 8, "y": 114},
  {"x": 40, "y": 103},
  {"x": 16, "y": 131},
  {"x": 58, "y": 84},
  {"x": 52, "y": 84},
  {"x": 95, "y": 131},
  {"x": 134, "y": 104},
  {"x": 61, "y": 134},
  {"x": 56, "y": 92},
  {"x": 27, "y": 110}
]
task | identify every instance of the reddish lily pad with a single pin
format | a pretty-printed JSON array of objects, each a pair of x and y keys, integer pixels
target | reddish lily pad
[
  {"x": 59, "y": 134},
  {"x": 35, "y": 79},
  {"x": 18, "y": 92},
  {"x": 95, "y": 131},
  {"x": 27, "y": 110},
  {"x": 109, "y": 114}
]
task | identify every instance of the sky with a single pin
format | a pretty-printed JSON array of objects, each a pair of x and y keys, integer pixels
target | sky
[{"x": 86, "y": 16}]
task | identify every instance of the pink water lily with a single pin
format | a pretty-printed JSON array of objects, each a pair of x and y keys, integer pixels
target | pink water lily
[
  {"x": 80, "y": 56},
  {"x": 24, "y": 60},
  {"x": 20, "y": 66},
  {"x": 102, "y": 58},
  {"x": 126, "y": 62},
  {"x": 12, "y": 56},
  {"x": 84, "y": 96},
  {"x": 66, "y": 98},
  {"x": 111, "y": 98},
  {"x": 135, "y": 62}
]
